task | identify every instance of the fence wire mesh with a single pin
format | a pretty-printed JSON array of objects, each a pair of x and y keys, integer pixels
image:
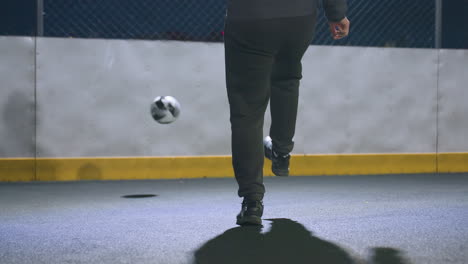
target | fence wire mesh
[
  {"x": 379, "y": 23},
  {"x": 398, "y": 23},
  {"x": 198, "y": 20}
]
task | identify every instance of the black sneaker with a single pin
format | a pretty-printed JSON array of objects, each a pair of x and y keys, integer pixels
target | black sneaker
[
  {"x": 251, "y": 212},
  {"x": 279, "y": 163}
]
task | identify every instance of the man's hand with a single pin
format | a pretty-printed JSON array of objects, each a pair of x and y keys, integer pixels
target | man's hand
[{"x": 339, "y": 29}]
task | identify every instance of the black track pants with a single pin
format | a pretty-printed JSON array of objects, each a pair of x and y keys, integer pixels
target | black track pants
[{"x": 263, "y": 64}]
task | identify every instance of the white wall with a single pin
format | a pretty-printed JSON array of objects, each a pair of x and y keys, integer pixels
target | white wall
[
  {"x": 366, "y": 100},
  {"x": 93, "y": 99},
  {"x": 17, "y": 75},
  {"x": 453, "y": 101}
]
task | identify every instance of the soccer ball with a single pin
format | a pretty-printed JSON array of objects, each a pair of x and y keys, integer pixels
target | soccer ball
[{"x": 165, "y": 109}]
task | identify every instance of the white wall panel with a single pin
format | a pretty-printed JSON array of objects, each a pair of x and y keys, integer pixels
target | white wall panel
[
  {"x": 453, "y": 101},
  {"x": 94, "y": 97},
  {"x": 17, "y": 97},
  {"x": 368, "y": 100}
]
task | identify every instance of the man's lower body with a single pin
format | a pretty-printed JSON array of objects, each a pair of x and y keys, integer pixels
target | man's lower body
[{"x": 263, "y": 64}]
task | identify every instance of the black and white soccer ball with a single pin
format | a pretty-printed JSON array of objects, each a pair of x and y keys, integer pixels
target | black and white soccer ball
[{"x": 165, "y": 109}]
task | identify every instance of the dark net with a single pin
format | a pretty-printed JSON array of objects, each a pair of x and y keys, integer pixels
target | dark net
[
  {"x": 198, "y": 20},
  {"x": 398, "y": 23}
]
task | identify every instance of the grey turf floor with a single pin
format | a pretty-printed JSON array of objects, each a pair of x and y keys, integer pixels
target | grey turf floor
[{"x": 331, "y": 219}]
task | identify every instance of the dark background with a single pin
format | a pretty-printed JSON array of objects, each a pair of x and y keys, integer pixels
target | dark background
[{"x": 377, "y": 23}]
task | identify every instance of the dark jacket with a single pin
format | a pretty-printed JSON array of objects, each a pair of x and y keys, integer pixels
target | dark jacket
[{"x": 265, "y": 9}]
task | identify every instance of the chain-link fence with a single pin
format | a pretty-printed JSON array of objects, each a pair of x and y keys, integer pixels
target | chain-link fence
[
  {"x": 18, "y": 17},
  {"x": 379, "y": 23},
  {"x": 398, "y": 23},
  {"x": 453, "y": 29},
  {"x": 376, "y": 23},
  {"x": 198, "y": 20}
]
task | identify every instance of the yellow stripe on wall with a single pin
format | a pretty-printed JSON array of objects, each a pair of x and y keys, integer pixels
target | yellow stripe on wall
[
  {"x": 352, "y": 164},
  {"x": 453, "y": 162},
  {"x": 17, "y": 169},
  {"x": 134, "y": 168}
]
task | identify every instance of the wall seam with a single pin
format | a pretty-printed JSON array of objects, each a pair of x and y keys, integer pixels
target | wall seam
[
  {"x": 35, "y": 109},
  {"x": 437, "y": 110}
]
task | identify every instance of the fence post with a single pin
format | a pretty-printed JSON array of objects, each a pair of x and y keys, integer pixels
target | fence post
[
  {"x": 438, "y": 24},
  {"x": 40, "y": 18}
]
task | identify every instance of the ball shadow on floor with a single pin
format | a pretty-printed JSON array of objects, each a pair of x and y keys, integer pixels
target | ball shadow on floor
[{"x": 138, "y": 196}]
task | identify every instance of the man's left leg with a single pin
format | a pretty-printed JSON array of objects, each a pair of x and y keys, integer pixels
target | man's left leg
[
  {"x": 285, "y": 80},
  {"x": 249, "y": 56}
]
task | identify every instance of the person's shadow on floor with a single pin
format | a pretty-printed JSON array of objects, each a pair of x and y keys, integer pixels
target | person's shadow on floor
[{"x": 286, "y": 242}]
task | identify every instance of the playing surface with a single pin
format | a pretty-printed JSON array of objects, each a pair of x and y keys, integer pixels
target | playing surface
[{"x": 332, "y": 219}]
